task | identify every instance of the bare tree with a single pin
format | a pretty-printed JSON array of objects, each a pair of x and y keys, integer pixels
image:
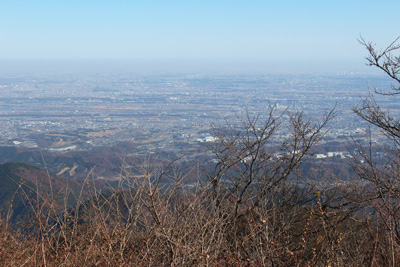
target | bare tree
[
  {"x": 256, "y": 155},
  {"x": 370, "y": 110},
  {"x": 385, "y": 60},
  {"x": 381, "y": 182}
]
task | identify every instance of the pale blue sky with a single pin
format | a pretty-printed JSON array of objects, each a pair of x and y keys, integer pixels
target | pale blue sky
[{"x": 285, "y": 31}]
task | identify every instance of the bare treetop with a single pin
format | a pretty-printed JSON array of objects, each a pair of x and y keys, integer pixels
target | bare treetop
[{"x": 385, "y": 60}]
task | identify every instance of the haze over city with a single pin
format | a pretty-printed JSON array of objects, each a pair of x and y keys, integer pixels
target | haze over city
[{"x": 164, "y": 71}]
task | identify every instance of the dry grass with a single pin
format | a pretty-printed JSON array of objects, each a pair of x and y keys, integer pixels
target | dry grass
[{"x": 156, "y": 221}]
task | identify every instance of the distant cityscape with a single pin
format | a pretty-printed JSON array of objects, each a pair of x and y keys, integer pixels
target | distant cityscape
[{"x": 170, "y": 112}]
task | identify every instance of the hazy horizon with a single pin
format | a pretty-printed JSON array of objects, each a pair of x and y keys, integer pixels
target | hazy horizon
[{"x": 181, "y": 66}]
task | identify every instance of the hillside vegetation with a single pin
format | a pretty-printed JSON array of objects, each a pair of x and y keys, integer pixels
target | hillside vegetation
[
  {"x": 23, "y": 186},
  {"x": 161, "y": 222}
]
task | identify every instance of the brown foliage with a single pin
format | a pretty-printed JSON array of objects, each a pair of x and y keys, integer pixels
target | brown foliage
[{"x": 157, "y": 219}]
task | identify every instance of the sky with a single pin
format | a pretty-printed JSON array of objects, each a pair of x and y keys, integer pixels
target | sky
[{"x": 281, "y": 33}]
